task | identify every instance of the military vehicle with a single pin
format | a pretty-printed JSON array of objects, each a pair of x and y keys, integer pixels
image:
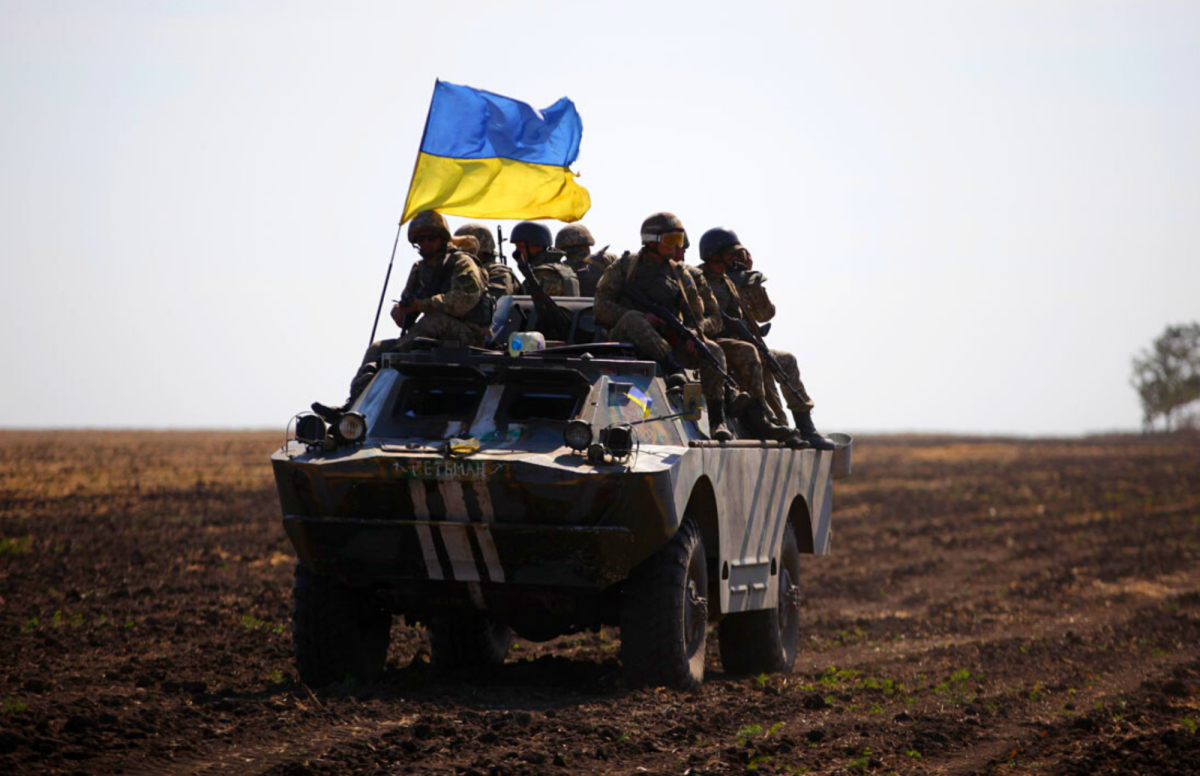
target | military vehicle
[{"x": 482, "y": 494}]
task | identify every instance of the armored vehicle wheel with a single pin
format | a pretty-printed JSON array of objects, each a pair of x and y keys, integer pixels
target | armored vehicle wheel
[
  {"x": 664, "y": 614},
  {"x": 338, "y": 632},
  {"x": 465, "y": 640},
  {"x": 767, "y": 640}
]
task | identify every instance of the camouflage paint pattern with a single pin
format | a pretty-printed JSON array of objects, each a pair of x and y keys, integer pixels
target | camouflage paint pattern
[{"x": 526, "y": 515}]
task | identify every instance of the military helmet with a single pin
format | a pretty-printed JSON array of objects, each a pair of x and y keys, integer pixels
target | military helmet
[
  {"x": 531, "y": 232},
  {"x": 487, "y": 244},
  {"x": 716, "y": 240},
  {"x": 573, "y": 236},
  {"x": 426, "y": 222},
  {"x": 660, "y": 223}
]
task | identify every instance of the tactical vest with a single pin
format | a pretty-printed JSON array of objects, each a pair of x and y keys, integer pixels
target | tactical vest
[
  {"x": 727, "y": 296},
  {"x": 657, "y": 278},
  {"x": 442, "y": 280},
  {"x": 501, "y": 280},
  {"x": 589, "y": 271},
  {"x": 566, "y": 275}
]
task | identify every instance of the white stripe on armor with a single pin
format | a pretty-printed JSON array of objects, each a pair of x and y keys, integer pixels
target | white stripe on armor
[
  {"x": 454, "y": 532},
  {"x": 483, "y": 533},
  {"x": 421, "y": 512}
]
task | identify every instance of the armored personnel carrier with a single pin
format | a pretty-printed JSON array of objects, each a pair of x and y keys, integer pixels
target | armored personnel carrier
[{"x": 483, "y": 494}]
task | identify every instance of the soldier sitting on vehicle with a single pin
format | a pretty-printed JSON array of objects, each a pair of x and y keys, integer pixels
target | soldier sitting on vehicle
[
  {"x": 742, "y": 358},
  {"x": 532, "y": 243},
  {"x": 501, "y": 281},
  {"x": 725, "y": 257},
  {"x": 576, "y": 241},
  {"x": 445, "y": 288},
  {"x": 653, "y": 276}
]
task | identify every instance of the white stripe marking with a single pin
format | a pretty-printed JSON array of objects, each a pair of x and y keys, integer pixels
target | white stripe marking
[
  {"x": 421, "y": 512},
  {"x": 454, "y": 532},
  {"x": 487, "y": 545},
  {"x": 458, "y": 547}
]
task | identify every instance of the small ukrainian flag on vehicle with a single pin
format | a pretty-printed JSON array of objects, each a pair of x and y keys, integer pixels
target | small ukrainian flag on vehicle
[{"x": 641, "y": 399}]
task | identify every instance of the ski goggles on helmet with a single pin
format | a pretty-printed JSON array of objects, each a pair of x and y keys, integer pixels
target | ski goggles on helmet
[{"x": 670, "y": 239}]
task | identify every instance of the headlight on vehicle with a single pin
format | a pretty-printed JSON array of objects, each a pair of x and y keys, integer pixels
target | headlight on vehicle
[
  {"x": 618, "y": 440},
  {"x": 310, "y": 429},
  {"x": 352, "y": 427},
  {"x": 578, "y": 435}
]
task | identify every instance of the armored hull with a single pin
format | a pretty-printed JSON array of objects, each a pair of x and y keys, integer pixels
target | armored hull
[{"x": 464, "y": 496}]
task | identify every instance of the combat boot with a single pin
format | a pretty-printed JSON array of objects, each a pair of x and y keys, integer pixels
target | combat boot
[
  {"x": 676, "y": 376},
  {"x": 809, "y": 433},
  {"x": 795, "y": 441},
  {"x": 761, "y": 425},
  {"x": 716, "y": 422},
  {"x": 737, "y": 401},
  {"x": 331, "y": 414}
]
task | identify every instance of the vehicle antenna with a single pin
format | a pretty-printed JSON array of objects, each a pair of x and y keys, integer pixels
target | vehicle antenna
[{"x": 386, "y": 278}]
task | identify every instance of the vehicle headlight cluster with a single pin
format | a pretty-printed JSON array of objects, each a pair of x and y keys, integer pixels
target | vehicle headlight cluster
[
  {"x": 352, "y": 427},
  {"x": 578, "y": 435},
  {"x": 310, "y": 429}
]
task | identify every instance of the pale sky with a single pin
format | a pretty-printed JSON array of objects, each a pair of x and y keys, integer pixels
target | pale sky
[{"x": 971, "y": 215}]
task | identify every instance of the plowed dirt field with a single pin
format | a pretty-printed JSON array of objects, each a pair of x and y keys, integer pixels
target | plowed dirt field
[{"x": 990, "y": 606}]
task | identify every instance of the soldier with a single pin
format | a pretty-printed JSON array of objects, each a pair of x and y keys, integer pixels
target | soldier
[
  {"x": 445, "y": 288},
  {"x": 532, "y": 241},
  {"x": 501, "y": 281},
  {"x": 652, "y": 271},
  {"x": 576, "y": 241},
  {"x": 742, "y": 358},
  {"x": 722, "y": 252}
]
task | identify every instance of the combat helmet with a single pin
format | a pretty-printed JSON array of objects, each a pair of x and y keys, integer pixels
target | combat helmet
[
  {"x": 487, "y": 244},
  {"x": 573, "y": 236},
  {"x": 660, "y": 223},
  {"x": 716, "y": 240},
  {"x": 531, "y": 232},
  {"x": 426, "y": 222}
]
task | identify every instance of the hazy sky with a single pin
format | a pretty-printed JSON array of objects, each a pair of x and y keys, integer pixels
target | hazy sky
[{"x": 971, "y": 215}]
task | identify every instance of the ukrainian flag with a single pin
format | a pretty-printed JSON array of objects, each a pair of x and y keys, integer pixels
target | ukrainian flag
[
  {"x": 488, "y": 156},
  {"x": 641, "y": 399}
]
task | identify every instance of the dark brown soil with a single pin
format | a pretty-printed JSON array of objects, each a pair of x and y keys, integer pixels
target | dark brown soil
[{"x": 991, "y": 606}]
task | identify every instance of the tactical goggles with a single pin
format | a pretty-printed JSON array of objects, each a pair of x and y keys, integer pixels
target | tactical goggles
[
  {"x": 670, "y": 239},
  {"x": 426, "y": 237}
]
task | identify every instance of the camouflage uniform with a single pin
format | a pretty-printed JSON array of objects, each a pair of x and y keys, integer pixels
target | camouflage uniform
[
  {"x": 500, "y": 279},
  {"x": 757, "y": 304},
  {"x": 755, "y": 301},
  {"x": 451, "y": 307},
  {"x": 742, "y": 357},
  {"x": 555, "y": 277},
  {"x": 669, "y": 286},
  {"x": 589, "y": 268}
]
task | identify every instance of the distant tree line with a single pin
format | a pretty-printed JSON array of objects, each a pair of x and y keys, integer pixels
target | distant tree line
[{"x": 1167, "y": 375}]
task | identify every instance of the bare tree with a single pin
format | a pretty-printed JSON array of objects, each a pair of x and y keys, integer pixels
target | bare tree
[{"x": 1167, "y": 374}]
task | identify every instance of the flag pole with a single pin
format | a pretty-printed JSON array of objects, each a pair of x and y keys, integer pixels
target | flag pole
[{"x": 387, "y": 278}]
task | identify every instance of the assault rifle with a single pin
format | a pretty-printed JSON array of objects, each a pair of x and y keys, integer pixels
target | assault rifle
[
  {"x": 751, "y": 333},
  {"x": 553, "y": 321},
  {"x": 647, "y": 305}
]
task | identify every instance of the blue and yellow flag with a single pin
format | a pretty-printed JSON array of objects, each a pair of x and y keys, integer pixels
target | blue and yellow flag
[
  {"x": 487, "y": 156},
  {"x": 643, "y": 400}
]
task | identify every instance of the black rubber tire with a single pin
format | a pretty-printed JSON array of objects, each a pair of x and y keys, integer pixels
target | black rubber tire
[
  {"x": 664, "y": 615},
  {"x": 339, "y": 632},
  {"x": 767, "y": 640},
  {"x": 467, "y": 640}
]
